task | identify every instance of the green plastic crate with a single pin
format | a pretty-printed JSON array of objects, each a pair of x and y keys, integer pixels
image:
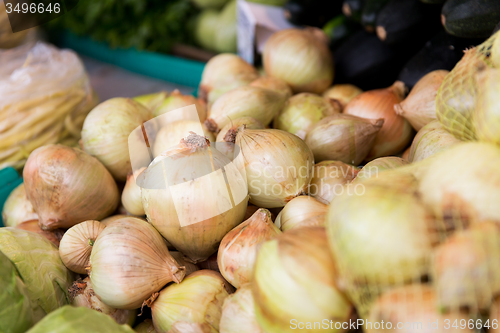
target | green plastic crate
[{"x": 9, "y": 180}]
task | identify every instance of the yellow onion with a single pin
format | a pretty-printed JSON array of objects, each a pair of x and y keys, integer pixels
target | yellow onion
[
  {"x": 76, "y": 245},
  {"x": 259, "y": 103},
  {"x": 486, "y": 117},
  {"x": 295, "y": 281},
  {"x": 227, "y": 135},
  {"x": 430, "y": 140},
  {"x": 152, "y": 101},
  {"x": 131, "y": 195},
  {"x": 373, "y": 168},
  {"x": 465, "y": 268},
  {"x": 303, "y": 211},
  {"x": 129, "y": 262},
  {"x": 171, "y": 134},
  {"x": 112, "y": 218},
  {"x": 145, "y": 327},
  {"x": 278, "y": 165},
  {"x": 329, "y": 178},
  {"x": 106, "y": 131},
  {"x": 343, "y": 93},
  {"x": 238, "y": 312},
  {"x": 273, "y": 83},
  {"x": 343, "y": 137},
  {"x": 67, "y": 186},
  {"x": 175, "y": 101},
  {"x": 190, "y": 201},
  {"x": 419, "y": 107},
  {"x": 461, "y": 184},
  {"x": 397, "y": 132},
  {"x": 183, "y": 261},
  {"x": 415, "y": 309},
  {"x": 301, "y": 58},
  {"x": 82, "y": 294},
  {"x": 303, "y": 111},
  {"x": 198, "y": 299},
  {"x": 17, "y": 208},
  {"x": 222, "y": 73},
  {"x": 238, "y": 249},
  {"x": 52, "y": 235},
  {"x": 456, "y": 98}
]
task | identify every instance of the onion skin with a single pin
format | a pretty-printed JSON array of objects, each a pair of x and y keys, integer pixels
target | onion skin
[
  {"x": 226, "y": 137},
  {"x": 238, "y": 249},
  {"x": 486, "y": 118},
  {"x": 131, "y": 195},
  {"x": 300, "y": 212},
  {"x": 238, "y": 314},
  {"x": 301, "y": 58},
  {"x": 112, "y": 218},
  {"x": 67, "y": 186},
  {"x": 380, "y": 164},
  {"x": 343, "y": 93},
  {"x": 419, "y": 107},
  {"x": 273, "y": 83},
  {"x": 125, "y": 246},
  {"x": 295, "y": 278},
  {"x": 396, "y": 133},
  {"x": 343, "y": 137},
  {"x": 430, "y": 140},
  {"x": 76, "y": 245},
  {"x": 303, "y": 111},
  {"x": 53, "y": 235},
  {"x": 171, "y": 134},
  {"x": 18, "y": 208},
  {"x": 183, "y": 261},
  {"x": 328, "y": 177}
]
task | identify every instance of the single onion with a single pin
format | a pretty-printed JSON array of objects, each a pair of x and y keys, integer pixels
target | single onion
[
  {"x": 222, "y": 73},
  {"x": 152, "y": 101},
  {"x": 301, "y": 58},
  {"x": 67, "y": 186},
  {"x": 486, "y": 117},
  {"x": 465, "y": 268},
  {"x": 129, "y": 262},
  {"x": 303, "y": 111},
  {"x": 198, "y": 299},
  {"x": 430, "y": 140},
  {"x": 238, "y": 249},
  {"x": 373, "y": 168},
  {"x": 412, "y": 308},
  {"x": 295, "y": 280},
  {"x": 171, "y": 134},
  {"x": 238, "y": 312},
  {"x": 17, "y": 208},
  {"x": 82, "y": 294},
  {"x": 273, "y": 83},
  {"x": 52, "y": 235},
  {"x": 175, "y": 101},
  {"x": 145, "y": 327},
  {"x": 343, "y": 137},
  {"x": 397, "y": 132},
  {"x": 190, "y": 201},
  {"x": 76, "y": 245},
  {"x": 329, "y": 179},
  {"x": 278, "y": 165},
  {"x": 419, "y": 107},
  {"x": 106, "y": 131},
  {"x": 259, "y": 103},
  {"x": 343, "y": 93},
  {"x": 131, "y": 195},
  {"x": 303, "y": 211}
]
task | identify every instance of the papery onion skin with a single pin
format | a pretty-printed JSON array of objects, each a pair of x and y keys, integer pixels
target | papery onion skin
[
  {"x": 76, "y": 245},
  {"x": 177, "y": 100},
  {"x": 53, "y": 235},
  {"x": 67, "y": 186},
  {"x": 300, "y": 212},
  {"x": 238, "y": 313},
  {"x": 419, "y": 107},
  {"x": 273, "y": 83},
  {"x": 171, "y": 134},
  {"x": 380, "y": 164},
  {"x": 238, "y": 249},
  {"x": 184, "y": 261},
  {"x": 248, "y": 122},
  {"x": 328, "y": 179},
  {"x": 303, "y": 111},
  {"x": 343, "y": 93},
  {"x": 118, "y": 272},
  {"x": 197, "y": 299},
  {"x": 17, "y": 208},
  {"x": 259, "y": 103},
  {"x": 343, "y": 137},
  {"x": 295, "y": 278},
  {"x": 106, "y": 131},
  {"x": 278, "y": 165},
  {"x": 430, "y": 140},
  {"x": 301, "y": 58},
  {"x": 131, "y": 195},
  {"x": 396, "y": 133},
  {"x": 486, "y": 117}
]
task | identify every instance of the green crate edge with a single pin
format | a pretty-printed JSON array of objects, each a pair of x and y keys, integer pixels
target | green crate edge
[
  {"x": 7, "y": 184},
  {"x": 160, "y": 66}
]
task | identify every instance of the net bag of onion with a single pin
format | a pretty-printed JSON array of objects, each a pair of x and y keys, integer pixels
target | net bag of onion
[
  {"x": 420, "y": 243},
  {"x": 45, "y": 97}
]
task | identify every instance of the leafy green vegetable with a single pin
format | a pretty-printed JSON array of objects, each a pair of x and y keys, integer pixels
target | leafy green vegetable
[
  {"x": 70, "y": 319},
  {"x": 16, "y": 312},
  {"x": 39, "y": 266}
]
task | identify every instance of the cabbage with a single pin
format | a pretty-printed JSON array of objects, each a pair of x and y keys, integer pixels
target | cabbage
[
  {"x": 39, "y": 266},
  {"x": 16, "y": 313},
  {"x": 70, "y": 319},
  {"x": 205, "y": 29},
  {"x": 226, "y": 30}
]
